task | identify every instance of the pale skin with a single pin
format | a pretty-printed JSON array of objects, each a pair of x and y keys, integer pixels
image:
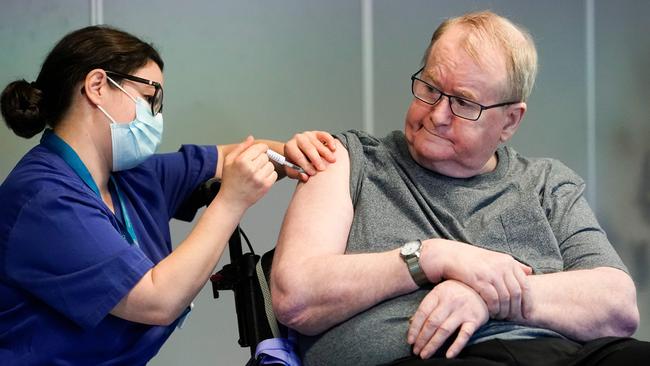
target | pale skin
[
  {"x": 244, "y": 169},
  {"x": 316, "y": 286}
]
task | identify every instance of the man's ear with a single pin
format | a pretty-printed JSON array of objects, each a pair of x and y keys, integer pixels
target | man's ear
[
  {"x": 514, "y": 115},
  {"x": 96, "y": 86}
]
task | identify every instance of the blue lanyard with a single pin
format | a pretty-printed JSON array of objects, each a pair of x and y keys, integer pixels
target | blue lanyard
[
  {"x": 131, "y": 238},
  {"x": 61, "y": 148}
]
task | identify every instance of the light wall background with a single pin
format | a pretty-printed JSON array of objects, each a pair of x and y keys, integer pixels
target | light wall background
[{"x": 271, "y": 69}]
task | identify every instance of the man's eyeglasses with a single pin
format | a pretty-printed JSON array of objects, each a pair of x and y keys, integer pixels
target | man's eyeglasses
[
  {"x": 459, "y": 106},
  {"x": 156, "y": 101}
]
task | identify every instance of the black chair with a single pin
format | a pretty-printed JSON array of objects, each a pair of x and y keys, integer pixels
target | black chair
[{"x": 247, "y": 276}]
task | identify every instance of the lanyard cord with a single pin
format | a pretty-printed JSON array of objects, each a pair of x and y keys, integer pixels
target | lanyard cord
[
  {"x": 61, "y": 148},
  {"x": 131, "y": 238}
]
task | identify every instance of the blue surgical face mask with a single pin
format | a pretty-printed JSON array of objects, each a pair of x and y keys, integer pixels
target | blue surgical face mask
[{"x": 137, "y": 140}]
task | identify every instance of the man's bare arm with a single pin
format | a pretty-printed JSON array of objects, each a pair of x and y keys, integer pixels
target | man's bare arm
[
  {"x": 314, "y": 284},
  {"x": 583, "y": 304}
]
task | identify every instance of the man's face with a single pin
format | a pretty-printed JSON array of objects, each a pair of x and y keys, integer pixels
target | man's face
[{"x": 448, "y": 144}]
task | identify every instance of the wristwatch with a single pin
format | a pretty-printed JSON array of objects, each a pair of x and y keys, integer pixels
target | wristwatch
[{"x": 410, "y": 253}]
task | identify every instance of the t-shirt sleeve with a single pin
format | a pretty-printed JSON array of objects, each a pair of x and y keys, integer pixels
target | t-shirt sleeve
[
  {"x": 64, "y": 250},
  {"x": 352, "y": 142},
  {"x": 182, "y": 172},
  {"x": 583, "y": 243}
]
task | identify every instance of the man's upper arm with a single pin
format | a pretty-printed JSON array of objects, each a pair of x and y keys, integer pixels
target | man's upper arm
[{"x": 319, "y": 216}]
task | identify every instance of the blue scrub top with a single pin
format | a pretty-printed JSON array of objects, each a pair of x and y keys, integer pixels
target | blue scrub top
[{"x": 64, "y": 262}]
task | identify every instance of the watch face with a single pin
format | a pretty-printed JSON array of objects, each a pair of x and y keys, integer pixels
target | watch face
[{"x": 410, "y": 248}]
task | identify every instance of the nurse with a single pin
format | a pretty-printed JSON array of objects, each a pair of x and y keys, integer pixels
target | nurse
[{"x": 87, "y": 272}]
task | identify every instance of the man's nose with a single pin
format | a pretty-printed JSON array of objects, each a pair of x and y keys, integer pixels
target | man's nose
[{"x": 440, "y": 113}]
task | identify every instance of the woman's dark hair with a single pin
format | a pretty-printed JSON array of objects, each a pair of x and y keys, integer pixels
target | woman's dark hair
[{"x": 28, "y": 107}]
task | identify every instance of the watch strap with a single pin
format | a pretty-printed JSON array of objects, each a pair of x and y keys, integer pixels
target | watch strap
[
  {"x": 416, "y": 271},
  {"x": 413, "y": 264}
]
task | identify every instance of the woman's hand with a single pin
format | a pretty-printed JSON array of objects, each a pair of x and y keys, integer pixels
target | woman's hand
[
  {"x": 450, "y": 306},
  {"x": 247, "y": 174},
  {"x": 311, "y": 150}
]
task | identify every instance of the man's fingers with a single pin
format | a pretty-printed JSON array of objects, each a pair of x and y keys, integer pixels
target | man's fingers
[
  {"x": 464, "y": 334},
  {"x": 514, "y": 303},
  {"x": 437, "y": 318},
  {"x": 442, "y": 332},
  {"x": 490, "y": 295},
  {"x": 522, "y": 279},
  {"x": 527, "y": 270},
  {"x": 457, "y": 304},
  {"x": 421, "y": 314},
  {"x": 503, "y": 292},
  {"x": 525, "y": 292}
]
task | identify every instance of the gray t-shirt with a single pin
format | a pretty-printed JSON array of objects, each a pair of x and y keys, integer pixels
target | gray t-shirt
[{"x": 532, "y": 209}]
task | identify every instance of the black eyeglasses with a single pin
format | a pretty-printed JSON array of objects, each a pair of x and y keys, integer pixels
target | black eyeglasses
[
  {"x": 459, "y": 106},
  {"x": 156, "y": 101}
]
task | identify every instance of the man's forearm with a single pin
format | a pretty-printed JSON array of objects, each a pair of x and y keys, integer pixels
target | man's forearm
[
  {"x": 320, "y": 292},
  {"x": 583, "y": 304}
]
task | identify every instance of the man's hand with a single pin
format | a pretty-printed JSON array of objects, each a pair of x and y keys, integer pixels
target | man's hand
[
  {"x": 451, "y": 305},
  {"x": 498, "y": 278}
]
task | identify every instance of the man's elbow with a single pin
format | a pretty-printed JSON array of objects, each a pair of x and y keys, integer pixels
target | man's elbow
[
  {"x": 290, "y": 308},
  {"x": 630, "y": 324},
  {"x": 623, "y": 322},
  {"x": 624, "y": 311},
  {"x": 288, "y": 312},
  {"x": 626, "y": 319}
]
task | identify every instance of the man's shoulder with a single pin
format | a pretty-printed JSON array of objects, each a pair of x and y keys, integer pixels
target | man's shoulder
[
  {"x": 350, "y": 138},
  {"x": 361, "y": 142},
  {"x": 549, "y": 169}
]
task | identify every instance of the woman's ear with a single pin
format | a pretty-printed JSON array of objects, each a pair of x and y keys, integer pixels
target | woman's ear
[
  {"x": 96, "y": 86},
  {"x": 514, "y": 115}
]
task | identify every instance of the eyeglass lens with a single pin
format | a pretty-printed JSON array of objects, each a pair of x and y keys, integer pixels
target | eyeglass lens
[
  {"x": 431, "y": 95},
  {"x": 157, "y": 101}
]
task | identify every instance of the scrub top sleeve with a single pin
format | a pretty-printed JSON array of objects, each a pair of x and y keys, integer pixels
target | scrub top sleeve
[
  {"x": 180, "y": 173},
  {"x": 65, "y": 251}
]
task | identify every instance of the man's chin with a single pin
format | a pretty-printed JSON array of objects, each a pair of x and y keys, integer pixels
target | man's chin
[
  {"x": 434, "y": 148},
  {"x": 431, "y": 137},
  {"x": 430, "y": 158}
]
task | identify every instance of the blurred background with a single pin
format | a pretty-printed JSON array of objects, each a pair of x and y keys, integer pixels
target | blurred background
[{"x": 273, "y": 68}]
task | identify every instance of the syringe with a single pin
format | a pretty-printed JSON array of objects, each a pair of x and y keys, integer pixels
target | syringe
[{"x": 283, "y": 161}]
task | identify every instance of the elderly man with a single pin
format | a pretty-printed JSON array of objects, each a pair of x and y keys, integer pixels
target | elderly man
[{"x": 439, "y": 243}]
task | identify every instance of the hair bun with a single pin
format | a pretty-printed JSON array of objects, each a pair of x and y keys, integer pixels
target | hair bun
[{"x": 20, "y": 103}]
